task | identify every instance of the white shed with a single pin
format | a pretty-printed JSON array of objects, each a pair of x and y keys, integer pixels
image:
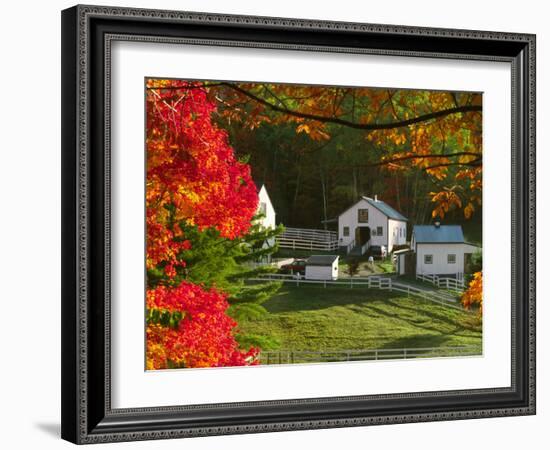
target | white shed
[
  {"x": 266, "y": 208},
  {"x": 400, "y": 259},
  {"x": 322, "y": 267},
  {"x": 371, "y": 222},
  {"x": 267, "y": 221},
  {"x": 440, "y": 249}
]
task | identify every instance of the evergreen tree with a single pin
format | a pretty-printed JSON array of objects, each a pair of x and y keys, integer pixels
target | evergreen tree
[{"x": 226, "y": 264}]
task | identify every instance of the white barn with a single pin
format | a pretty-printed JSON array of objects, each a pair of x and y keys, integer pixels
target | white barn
[
  {"x": 265, "y": 207},
  {"x": 322, "y": 267},
  {"x": 371, "y": 222},
  {"x": 440, "y": 249}
]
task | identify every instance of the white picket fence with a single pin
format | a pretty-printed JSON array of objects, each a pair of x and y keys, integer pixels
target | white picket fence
[
  {"x": 371, "y": 282},
  {"x": 455, "y": 284},
  {"x": 303, "y": 356},
  {"x": 308, "y": 239}
]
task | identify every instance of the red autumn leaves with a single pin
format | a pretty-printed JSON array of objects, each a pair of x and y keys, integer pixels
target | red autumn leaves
[
  {"x": 204, "y": 335},
  {"x": 194, "y": 178}
]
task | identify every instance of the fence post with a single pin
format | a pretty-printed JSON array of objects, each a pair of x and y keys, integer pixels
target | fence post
[
  {"x": 325, "y": 283},
  {"x": 404, "y": 353}
]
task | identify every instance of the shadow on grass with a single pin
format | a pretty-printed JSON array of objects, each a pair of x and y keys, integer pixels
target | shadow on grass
[
  {"x": 417, "y": 323},
  {"x": 417, "y": 341},
  {"x": 431, "y": 314},
  {"x": 427, "y": 341},
  {"x": 295, "y": 299}
]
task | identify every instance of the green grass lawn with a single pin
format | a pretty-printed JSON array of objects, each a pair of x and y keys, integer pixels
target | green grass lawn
[
  {"x": 381, "y": 266},
  {"x": 338, "y": 318}
]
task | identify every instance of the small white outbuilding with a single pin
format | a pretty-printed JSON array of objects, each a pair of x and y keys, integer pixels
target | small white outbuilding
[
  {"x": 265, "y": 207},
  {"x": 322, "y": 267},
  {"x": 440, "y": 249}
]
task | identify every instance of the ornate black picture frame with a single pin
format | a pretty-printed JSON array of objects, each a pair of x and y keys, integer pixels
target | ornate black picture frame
[{"x": 87, "y": 415}]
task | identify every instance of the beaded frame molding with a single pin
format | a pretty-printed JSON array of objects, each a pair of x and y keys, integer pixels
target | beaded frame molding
[{"x": 87, "y": 35}]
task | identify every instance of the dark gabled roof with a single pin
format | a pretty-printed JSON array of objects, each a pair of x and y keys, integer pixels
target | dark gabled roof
[
  {"x": 386, "y": 209},
  {"x": 426, "y": 234},
  {"x": 383, "y": 207},
  {"x": 321, "y": 260}
]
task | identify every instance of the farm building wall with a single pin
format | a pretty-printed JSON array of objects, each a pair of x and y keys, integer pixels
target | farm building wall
[
  {"x": 350, "y": 218},
  {"x": 440, "y": 264},
  {"x": 401, "y": 264},
  {"x": 322, "y": 272},
  {"x": 397, "y": 233},
  {"x": 266, "y": 207}
]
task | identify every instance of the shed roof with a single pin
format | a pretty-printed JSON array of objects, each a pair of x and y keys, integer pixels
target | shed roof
[
  {"x": 383, "y": 207},
  {"x": 403, "y": 251},
  {"x": 450, "y": 234},
  {"x": 386, "y": 209},
  {"x": 321, "y": 260}
]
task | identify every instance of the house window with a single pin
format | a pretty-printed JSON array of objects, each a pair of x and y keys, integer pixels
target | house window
[
  {"x": 263, "y": 208},
  {"x": 373, "y": 232},
  {"x": 451, "y": 258},
  {"x": 346, "y": 231},
  {"x": 379, "y": 231},
  {"x": 428, "y": 259},
  {"x": 362, "y": 215}
]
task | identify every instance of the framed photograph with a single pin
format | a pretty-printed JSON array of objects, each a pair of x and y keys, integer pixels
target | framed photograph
[{"x": 281, "y": 224}]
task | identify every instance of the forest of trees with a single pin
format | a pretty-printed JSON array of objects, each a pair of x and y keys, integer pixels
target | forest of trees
[{"x": 318, "y": 149}]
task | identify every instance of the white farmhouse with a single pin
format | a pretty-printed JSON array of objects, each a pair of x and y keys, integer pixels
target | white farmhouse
[
  {"x": 440, "y": 249},
  {"x": 265, "y": 207},
  {"x": 322, "y": 267},
  {"x": 371, "y": 222}
]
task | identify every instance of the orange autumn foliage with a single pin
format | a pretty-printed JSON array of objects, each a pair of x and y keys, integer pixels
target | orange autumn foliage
[
  {"x": 413, "y": 128},
  {"x": 474, "y": 294}
]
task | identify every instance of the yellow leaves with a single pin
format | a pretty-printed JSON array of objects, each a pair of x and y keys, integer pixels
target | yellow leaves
[
  {"x": 446, "y": 200},
  {"x": 400, "y": 138},
  {"x": 315, "y": 130},
  {"x": 440, "y": 173},
  {"x": 474, "y": 294}
]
